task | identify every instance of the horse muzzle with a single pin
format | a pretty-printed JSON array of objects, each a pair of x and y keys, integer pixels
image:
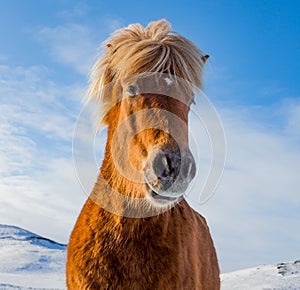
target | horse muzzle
[{"x": 168, "y": 173}]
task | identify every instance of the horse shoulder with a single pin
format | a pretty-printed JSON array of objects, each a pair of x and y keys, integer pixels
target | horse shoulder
[{"x": 206, "y": 252}]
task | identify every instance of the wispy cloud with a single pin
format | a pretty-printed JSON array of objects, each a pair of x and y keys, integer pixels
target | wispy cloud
[
  {"x": 79, "y": 10},
  {"x": 38, "y": 185},
  {"x": 254, "y": 211},
  {"x": 293, "y": 120},
  {"x": 71, "y": 44},
  {"x": 17, "y": 150},
  {"x": 74, "y": 44},
  {"x": 3, "y": 58},
  {"x": 113, "y": 23}
]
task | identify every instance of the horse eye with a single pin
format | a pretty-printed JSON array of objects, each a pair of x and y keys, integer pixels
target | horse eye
[{"x": 131, "y": 90}]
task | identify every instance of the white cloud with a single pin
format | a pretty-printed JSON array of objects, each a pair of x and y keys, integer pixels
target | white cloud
[
  {"x": 79, "y": 10},
  {"x": 38, "y": 186},
  {"x": 17, "y": 150},
  {"x": 254, "y": 213},
  {"x": 71, "y": 44},
  {"x": 75, "y": 44},
  {"x": 3, "y": 58},
  {"x": 114, "y": 23},
  {"x": 46, "y": 202},
  {"x": 293, "y": 121}
]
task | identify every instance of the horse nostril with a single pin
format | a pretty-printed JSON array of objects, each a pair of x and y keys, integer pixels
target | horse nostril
[
  {"x": 166, "y": 165},
  {"x": 192, "y": 170},
  {"x": 160, "y": 165},
  {"x": 189, "y": 166},
  {"x": 144, "y": 151}
]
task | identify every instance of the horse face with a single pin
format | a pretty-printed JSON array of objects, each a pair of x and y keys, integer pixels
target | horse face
[{"x": 158, "y": 148}]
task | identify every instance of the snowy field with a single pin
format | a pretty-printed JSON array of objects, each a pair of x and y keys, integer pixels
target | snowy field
[
  {"x": 28, "y": 261},
  {"x": 282, "y": 276}
]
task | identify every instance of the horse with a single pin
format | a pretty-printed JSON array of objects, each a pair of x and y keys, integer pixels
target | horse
[{"x": 136, "y": 230}]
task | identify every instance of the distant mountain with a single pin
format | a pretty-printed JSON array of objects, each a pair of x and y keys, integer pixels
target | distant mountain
[{"x": 29, "y": 261}]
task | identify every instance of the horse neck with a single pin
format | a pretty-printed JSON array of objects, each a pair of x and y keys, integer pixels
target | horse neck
[
  {"x": 111, "y": 174},
  {"x": 111, "y": 187}
]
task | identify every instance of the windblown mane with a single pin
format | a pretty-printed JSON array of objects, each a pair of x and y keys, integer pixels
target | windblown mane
[{"x": 136, "y": 50}]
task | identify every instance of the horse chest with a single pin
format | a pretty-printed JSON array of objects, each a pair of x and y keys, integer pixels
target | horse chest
[
  {"x": 143, "y": 261},
  {"x": 174, "y": 254}
]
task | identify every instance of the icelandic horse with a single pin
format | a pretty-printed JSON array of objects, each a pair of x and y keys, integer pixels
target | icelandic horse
[{"x": 136, "y": 231}]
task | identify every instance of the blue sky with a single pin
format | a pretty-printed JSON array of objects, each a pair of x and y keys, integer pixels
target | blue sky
[{"x": 46, "y": 51}]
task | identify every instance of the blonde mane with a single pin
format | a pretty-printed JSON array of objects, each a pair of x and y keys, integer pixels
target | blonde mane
[{"x": 136, "y": 50}]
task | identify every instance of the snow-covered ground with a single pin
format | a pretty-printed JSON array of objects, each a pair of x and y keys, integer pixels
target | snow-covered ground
[
  {"x": 28, "y": 261},
  {"x": 281, "y": 276}
]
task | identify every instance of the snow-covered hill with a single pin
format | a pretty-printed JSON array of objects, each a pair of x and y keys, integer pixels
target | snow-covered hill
[
  {"x": 280, "y": 276},
  {"x": 28, "y": 261}
]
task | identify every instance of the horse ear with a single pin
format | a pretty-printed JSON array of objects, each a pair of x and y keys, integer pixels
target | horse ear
[
  {"x": 109, "y": 46},
  {"x": 205, "y": 58}
]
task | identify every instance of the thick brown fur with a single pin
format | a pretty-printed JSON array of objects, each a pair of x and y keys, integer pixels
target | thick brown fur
[{"x": 170, "y": 250}]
